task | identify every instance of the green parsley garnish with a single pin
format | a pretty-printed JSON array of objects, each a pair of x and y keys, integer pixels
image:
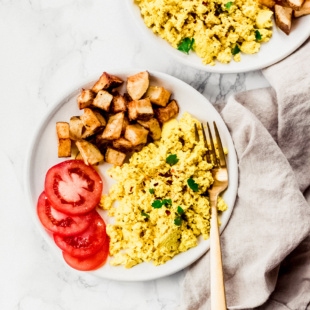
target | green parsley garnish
[
  {"x": 178, "y": 221},
  {"x": 186, "y": 45},
  {"x": 258, "y": 36},
  {"x": 151, "y": 191},
  {"x": 167, "y": 202},
  {"x": 172, "y": 159},
  {"x": 180, "y": 210},
  {"x": 228, "y": 5},
  {"x": 157, "y": 204},
  {"x": 144, "y": 214},
  {"x": 192, "y": 184},
  {"x": 235, "y": 50}
]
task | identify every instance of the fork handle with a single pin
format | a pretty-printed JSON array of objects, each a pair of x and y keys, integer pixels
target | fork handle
[{"x": 218, "y": 299}]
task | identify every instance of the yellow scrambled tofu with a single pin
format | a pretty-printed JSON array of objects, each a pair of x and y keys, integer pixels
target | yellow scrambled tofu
[
  {"x": 161, "y": 207},
  {"x": 220, "y": 29}
]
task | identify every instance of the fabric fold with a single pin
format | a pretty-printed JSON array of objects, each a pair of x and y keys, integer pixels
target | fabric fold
[{"x": 270, "y": 224}]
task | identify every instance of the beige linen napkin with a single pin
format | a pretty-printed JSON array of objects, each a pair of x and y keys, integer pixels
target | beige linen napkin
[{"x": 266, "y": 244}]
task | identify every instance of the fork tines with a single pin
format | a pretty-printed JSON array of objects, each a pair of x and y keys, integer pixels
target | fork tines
[{"x": 218, "y": 161}]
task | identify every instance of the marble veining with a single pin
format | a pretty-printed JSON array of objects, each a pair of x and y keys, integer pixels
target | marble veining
[{"x": 48, "y": 47}]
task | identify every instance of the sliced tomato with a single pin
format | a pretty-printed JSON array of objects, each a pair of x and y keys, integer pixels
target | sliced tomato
[
  {"x": 59, "y": 222},
  {"x": 86, "y": 243},
  {"x": 89, "y": 263},
  {"x": 73, "y": 187}
]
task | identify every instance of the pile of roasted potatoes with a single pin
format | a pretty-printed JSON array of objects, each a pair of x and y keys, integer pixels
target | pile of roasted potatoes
[
  {"x": 286, "y": 11},
  {"x": 113, "y": 124}
]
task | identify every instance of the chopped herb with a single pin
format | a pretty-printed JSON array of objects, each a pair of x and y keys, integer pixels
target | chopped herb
[
  {"x": 178, "y": 221},
  {"x": 172, "y": 159},
  {"x": 192, "y": 184},
  {"x": 167, "y": 202},
  {"x": 157, "y": 204},
  {"x": 144, "y": 214},
  {"x": 180, "y": 210},
  {"x": 228, "y": 5},
  {"x": 151, "y": 191},
  {"x": 186, "y": 45},
  {"x": 235, "y": 50},
  {"x": 258, "y": 36}
]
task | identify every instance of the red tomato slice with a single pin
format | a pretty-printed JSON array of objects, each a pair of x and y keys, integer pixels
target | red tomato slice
[
  {"x": 72, "y": 187},
  {"x": 86, "y": 243},
  {"x": 89, "y": 263},
  {"x": 61, "y": 223}
]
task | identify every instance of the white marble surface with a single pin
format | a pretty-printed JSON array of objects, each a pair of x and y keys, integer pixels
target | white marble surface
[{"x": 46, "y": 48}]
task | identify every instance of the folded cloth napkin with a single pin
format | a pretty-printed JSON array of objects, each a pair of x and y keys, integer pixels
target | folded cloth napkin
[{"x": 266, "y": 244}]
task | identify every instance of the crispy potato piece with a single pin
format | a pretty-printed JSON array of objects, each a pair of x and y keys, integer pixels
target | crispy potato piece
[
  {"x": 283, "y": 17},
  {"x": 114, "y": 157},
  {"x": 158, "y": 95},
  {"x": 304, "y": 10},
  {"x": 125, "y": 124},
  {"x": 62, "y": 130},
  {"x": 89, "y": 152},
  {"x": 107, "y": 81},
  {"x": 140, "y": 109},
  {"x": 268, "y": 3},
  {"x": 136, "y": 134},
  {"x": 138, "y": 84},
  {"x": 153, "y": 126},
  {"x": 123, "y": 145},
  {"x": 114, "y": 127},
  {"x": 164, "y": 114},
  {"x": 294, "y": 4},
  {"x": 64, "y": 142},
  {"x": 76, "y": 128},
  {"x": 92, "y": 120},
  {"x": 85, "y": 98},
  {"x": 103, "y": 100},
  {"x": 119, "y": 104}
]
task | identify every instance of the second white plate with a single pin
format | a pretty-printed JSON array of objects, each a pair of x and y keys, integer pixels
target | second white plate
[{"x": 279, "y": 47}]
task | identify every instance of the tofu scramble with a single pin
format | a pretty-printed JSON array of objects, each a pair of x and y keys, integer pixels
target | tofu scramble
[
  {"x": 219, "y": 30},
  {"x": 161, "y": 207}
]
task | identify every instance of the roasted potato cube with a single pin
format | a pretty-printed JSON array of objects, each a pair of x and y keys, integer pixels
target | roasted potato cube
[
  {"x": 85, "y": 98},
  {"x": 107, "y": 81},
  {"x": 64, "y": 142},
  {"x": 304, "y": 10},
  {"x": 76, "y": 128},
  {"x": 136, "y": 134},
  {"x": 295, "y": 4},
  {"x": 153, "y": 126},
  {"x": 123, "y": 145},
  {"x": 138, "y": 84},
  {"x": 63, "y": 130},
  {"x": 103, "y": 100},
  {"x": 92, "y": 120},
  {"x": 89, "y": 152},
  {"x": 114, "y": 157},
  {"x": 114, "y": 127},
  {"x": 125, "y": 124},
  {"x": 164, "y": 114},
  {"x": 158, "y": 95},
  {"x": 268, "y": 3},
  {"x": 119, "y": 103},
  {"x": 64, "y": 147},
  {"x": 283, "y": 17},
  {"x": 140, "y": 109}
]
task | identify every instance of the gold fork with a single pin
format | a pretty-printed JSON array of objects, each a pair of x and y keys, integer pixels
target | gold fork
[{"x": 220, "y": 176}]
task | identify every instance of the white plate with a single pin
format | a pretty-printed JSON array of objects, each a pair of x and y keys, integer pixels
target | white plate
[
  {"x": 43, "y": 154},
  {"x": 275, "y": 50}
]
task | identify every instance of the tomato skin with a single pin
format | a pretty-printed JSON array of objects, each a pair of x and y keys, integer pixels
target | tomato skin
[
  {"x": 91, "y": 262},
  {"x": 73, "y": 187},
  {"x": 59, "y": 222},
  {"x": 86, "y": 243}
]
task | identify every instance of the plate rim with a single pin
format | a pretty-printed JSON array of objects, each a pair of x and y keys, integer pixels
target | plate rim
[{"x": 63, "y": 97}]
